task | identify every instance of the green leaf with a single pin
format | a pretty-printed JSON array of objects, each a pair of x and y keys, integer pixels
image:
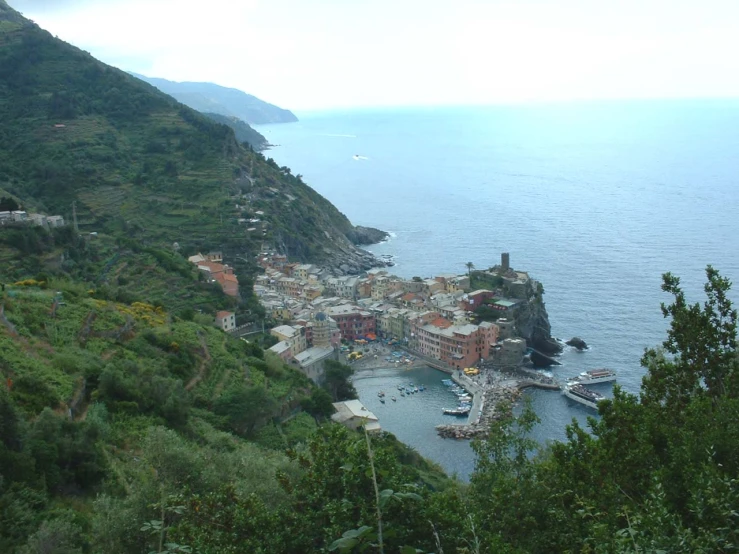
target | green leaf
[
  {"x": 355, "y": 533},
  {"x": 343, "y": 544},
  {"x": 408, "y": 495}
]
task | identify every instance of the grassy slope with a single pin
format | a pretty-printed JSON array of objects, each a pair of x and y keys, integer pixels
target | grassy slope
[{"x": 138, "y": 162}]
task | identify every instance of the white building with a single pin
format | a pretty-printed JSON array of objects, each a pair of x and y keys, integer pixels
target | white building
[
  {"x": 312, "y": 361},
  {"x": 226, "y": 321},
  {"x": 55, "y": 221},
  {"x": 353, "y": 414}
]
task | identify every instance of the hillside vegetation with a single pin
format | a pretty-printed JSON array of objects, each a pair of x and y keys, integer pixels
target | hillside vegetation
[
  {"x": 134, "y": 159},
  {"x": 126, "y": 430},
  {"x": 129, "y": 424},
  {"x": 231, "y": 102},
  {"x": 242, "y": 131}
]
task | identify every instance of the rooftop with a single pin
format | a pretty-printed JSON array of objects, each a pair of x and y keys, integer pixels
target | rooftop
[
  {"x": 224, "y": 314},
  {"x": 280, "y": 347},
  {"x": 352, "y": 408},
  {"x": 285, "y": 331},
  {"x": 313, "y": 355}
]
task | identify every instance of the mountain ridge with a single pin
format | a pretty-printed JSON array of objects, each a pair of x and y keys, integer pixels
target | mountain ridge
[
  {"x": 137, "y": 162},
  {"x": 212, "y": 98}
]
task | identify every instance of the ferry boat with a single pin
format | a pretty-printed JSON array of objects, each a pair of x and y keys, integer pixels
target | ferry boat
[
  {"x": 594, "y": 376},
  {"x": 583, "y": 395}
]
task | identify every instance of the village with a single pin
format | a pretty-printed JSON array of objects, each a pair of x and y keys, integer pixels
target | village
[
  {"x": 327, "y": 317},
  {"x": 379, "y": 320},
  {"x": 364, "y": 319}
]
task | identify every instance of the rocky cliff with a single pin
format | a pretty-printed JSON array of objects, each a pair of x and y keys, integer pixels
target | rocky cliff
[{"x": 532, "y": 323}]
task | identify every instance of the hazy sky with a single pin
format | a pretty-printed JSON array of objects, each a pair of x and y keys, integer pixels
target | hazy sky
[{"x": 304, "y": 54}]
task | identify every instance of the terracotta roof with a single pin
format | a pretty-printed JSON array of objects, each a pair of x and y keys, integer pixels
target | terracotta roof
[
  {"x": 213, "y": 266},
  {"x": 408, "y": 297},
  {"x": 223, "y": 314},
  {"x": 441, "y": 323}
]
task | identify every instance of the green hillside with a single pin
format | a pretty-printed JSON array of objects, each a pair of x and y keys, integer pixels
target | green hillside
[
  {"x": 74, "y": 129},
  {"x": 242, "y": 131}
]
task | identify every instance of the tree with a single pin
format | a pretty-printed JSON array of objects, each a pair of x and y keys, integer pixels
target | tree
[
  {"x": 8, "y": 205},
  {"x": 318, "y": 404},
  {"x": 245, "y": 407},
  {"x": 470, "y": 266},
  {"x": 701, "y": 344},
  {"x": 336, "y": 381}
]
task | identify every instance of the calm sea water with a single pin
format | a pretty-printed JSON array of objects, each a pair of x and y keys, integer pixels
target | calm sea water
[{"x": 596, "y": 200}]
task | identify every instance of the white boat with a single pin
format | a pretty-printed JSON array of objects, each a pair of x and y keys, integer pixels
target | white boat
[
  {"x": 583, "y": 395},
  {"x": 459, "y": 412},
  {"x": 594, "y": 376}
]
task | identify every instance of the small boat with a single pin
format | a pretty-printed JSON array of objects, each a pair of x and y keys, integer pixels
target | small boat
[
  {"x": 393, "y": 399},
  {"x": 459, "y": 412},
  {"x": 402, "y": 393},
  {"x": 382, "y": 400},
  {"x": 594, "y": 376},
  {"x": 401, "y": 387},
  {"x": 447, "y": 382},
  {"x": 583, "y": 395},
  {"x": 415, "y": 389},
  {"x": 421, "y": 388},
  {"x": 381, "y": 394}
]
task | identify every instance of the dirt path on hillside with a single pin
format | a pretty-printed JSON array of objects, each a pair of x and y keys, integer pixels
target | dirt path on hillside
[{"x": 203, "y": 365}]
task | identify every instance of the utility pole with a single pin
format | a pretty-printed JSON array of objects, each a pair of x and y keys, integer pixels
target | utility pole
[{"x": 74, "y": 216}]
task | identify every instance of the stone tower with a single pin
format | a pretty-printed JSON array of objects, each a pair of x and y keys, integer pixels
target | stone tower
[
  {"x": 505, "y": 261},
  {"x": 321, "y": 330}
]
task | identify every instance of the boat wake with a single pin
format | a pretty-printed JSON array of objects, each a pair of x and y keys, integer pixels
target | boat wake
[{"x": 359, "y": 158}]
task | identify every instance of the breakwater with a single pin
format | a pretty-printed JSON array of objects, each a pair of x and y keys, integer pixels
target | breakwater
[{"x": 493, "y": 399}]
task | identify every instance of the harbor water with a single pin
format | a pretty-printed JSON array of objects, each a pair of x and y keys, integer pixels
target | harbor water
[
  {"x": 596, "y": 200},
  {"x": 413, "y": 418}
]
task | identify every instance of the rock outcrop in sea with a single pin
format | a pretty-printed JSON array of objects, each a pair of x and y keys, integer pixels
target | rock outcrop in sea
[{"x": 532, "y": 323}]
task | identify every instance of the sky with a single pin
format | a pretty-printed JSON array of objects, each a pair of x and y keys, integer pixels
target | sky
[{"x": 324, "y": 54}]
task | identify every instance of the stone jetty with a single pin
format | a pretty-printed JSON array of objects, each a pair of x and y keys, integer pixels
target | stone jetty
[{"x": 493, "y": 397}]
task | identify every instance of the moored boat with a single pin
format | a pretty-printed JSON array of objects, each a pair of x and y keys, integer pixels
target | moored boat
[
  {"x": 583, "y": 395},
  {"x": 594, "y": 376},
  {"x": 459, "y": 411}
]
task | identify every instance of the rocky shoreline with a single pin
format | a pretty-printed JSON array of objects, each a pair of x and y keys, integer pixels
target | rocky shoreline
[
  {"x": 498, "y": 398},
  {"x": 490, "y": 410},
  {"x": 364, "y": 236}
]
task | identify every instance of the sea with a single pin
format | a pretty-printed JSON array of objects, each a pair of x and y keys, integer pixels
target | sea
[{"x": 594, "y": 199}]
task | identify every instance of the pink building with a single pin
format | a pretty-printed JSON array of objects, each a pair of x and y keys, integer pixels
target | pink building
[{"x": 459, "y": 346}]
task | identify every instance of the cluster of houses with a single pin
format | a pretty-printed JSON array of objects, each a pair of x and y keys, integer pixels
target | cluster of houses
[
  {"x": 215, "y": 271},
  {"x": 24, "y": 218},
  {"x": 428, "y": 316}
]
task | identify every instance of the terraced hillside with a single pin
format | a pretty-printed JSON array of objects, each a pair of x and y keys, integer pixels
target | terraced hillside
[
  {"x": 62, "y": 346},
  {"x": 134, "y": 160}
]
